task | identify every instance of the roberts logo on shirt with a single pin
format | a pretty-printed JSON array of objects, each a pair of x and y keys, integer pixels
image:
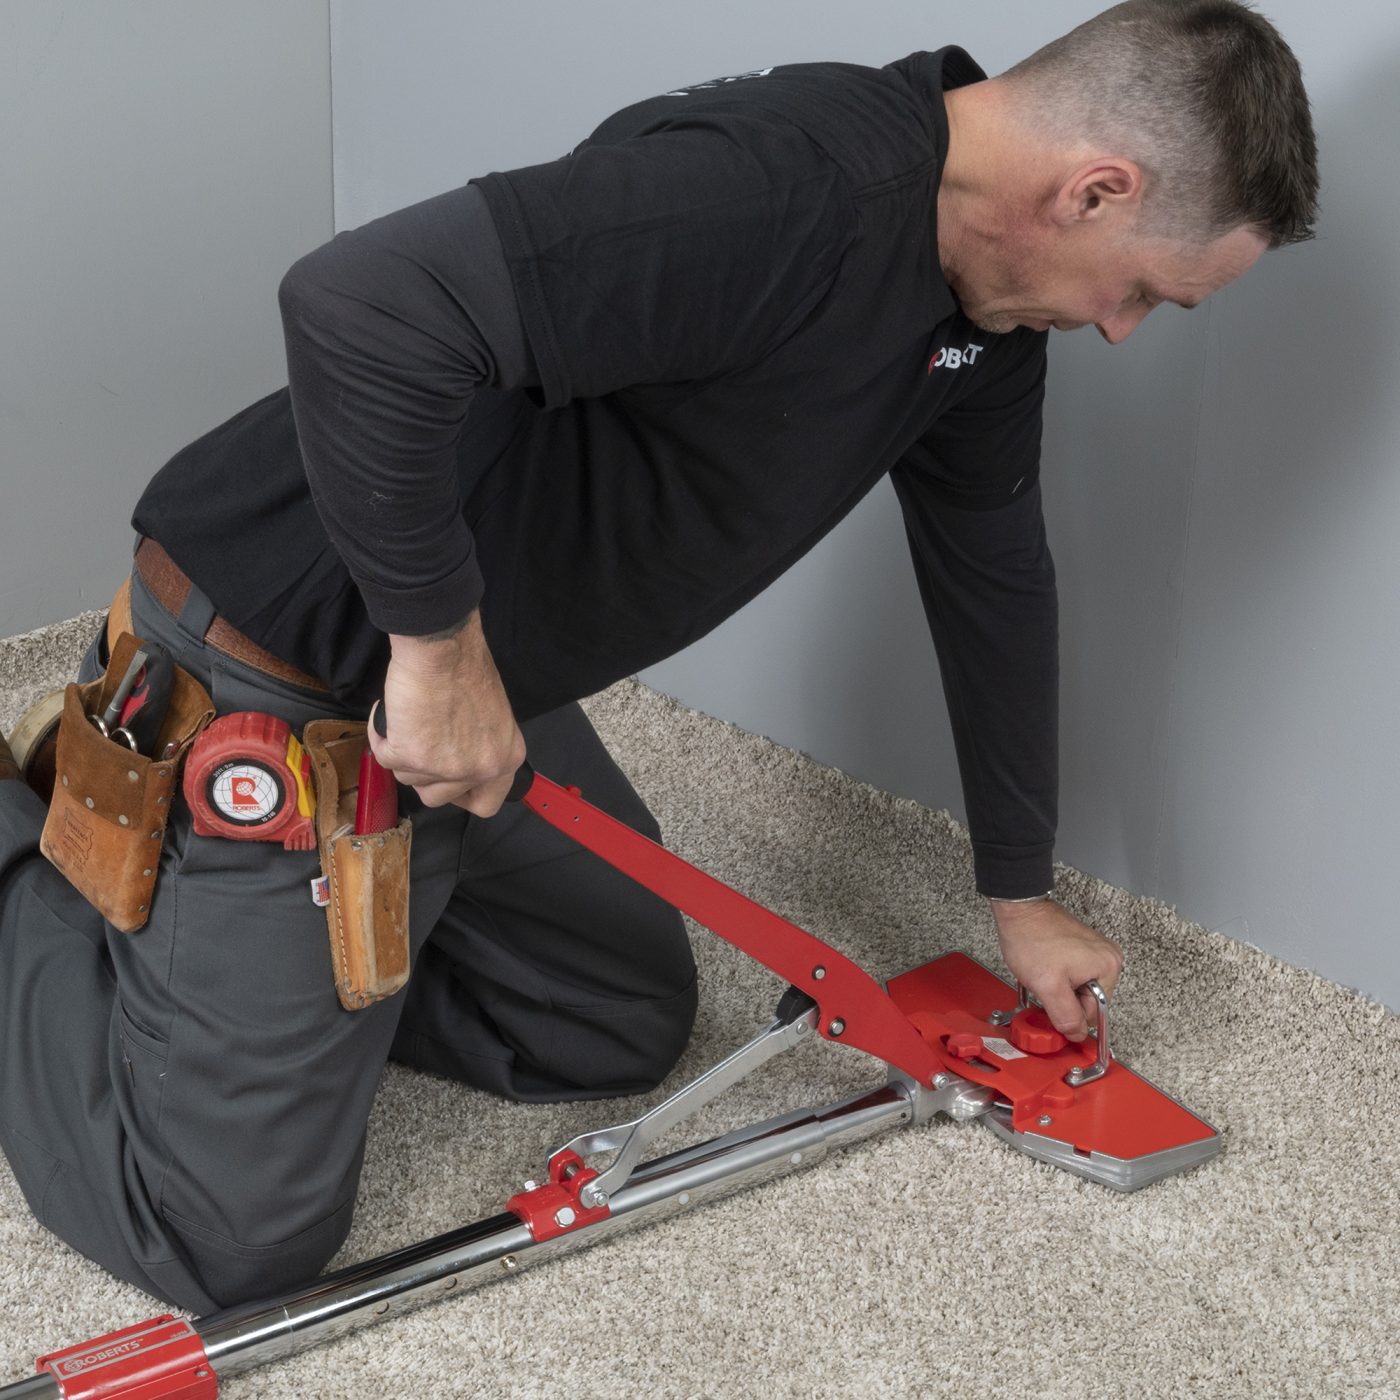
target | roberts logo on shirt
[
  {"x": 718, "y": 83},
  {"x": 950, "y": 358}
]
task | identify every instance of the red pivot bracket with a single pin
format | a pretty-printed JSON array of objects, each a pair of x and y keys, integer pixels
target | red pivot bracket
[{"x": 556, "y": 1208}]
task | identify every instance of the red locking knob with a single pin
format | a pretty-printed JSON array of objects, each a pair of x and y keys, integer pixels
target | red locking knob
[
  {"x": 1032, "y": 1033},
  {"x": 965, "y": 1045}
]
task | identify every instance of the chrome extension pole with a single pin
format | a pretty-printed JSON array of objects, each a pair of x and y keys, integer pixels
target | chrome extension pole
[{"x": 236, "y": 1339}]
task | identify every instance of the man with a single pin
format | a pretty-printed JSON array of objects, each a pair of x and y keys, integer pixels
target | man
[{"x": 543, "y": 431}]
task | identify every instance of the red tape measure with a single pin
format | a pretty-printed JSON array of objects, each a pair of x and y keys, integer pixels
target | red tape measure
[{"x": 248, "y": 779}]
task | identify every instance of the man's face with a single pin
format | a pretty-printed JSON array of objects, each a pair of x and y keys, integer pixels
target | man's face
[{"x": 1080, "y": 278}]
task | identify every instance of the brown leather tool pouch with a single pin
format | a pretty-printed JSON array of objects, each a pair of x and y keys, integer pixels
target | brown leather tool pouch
[
  {"x": 368, "y": 874},
  {"x": 110, "y": 806}
]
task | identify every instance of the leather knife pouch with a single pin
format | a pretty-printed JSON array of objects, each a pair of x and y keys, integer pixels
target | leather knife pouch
[
  {"x": 368, "y": 873},
  {"x": 110, "y": 806}
]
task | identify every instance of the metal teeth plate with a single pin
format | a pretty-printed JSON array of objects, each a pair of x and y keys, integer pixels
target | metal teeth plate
[{"x": 1117, "y": 1173}]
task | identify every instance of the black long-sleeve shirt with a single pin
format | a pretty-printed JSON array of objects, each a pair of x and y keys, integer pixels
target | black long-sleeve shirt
[{"x": 612, "y": 397}]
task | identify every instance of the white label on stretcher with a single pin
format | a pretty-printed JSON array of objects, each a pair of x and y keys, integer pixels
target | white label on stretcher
[{"x": 1003, "y": 1049}]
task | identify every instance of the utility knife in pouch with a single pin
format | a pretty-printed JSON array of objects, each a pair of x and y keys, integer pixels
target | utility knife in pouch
[
  {"x": 367, "y": 872},
  {"x": 110, "y": 806}
]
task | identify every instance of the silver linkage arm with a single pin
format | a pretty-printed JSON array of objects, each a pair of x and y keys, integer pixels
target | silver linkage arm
[{"x": 795, "y": 1019}]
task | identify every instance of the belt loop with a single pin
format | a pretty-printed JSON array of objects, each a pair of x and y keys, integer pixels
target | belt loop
[
  {"x": 119, "y": 615},
  {"x": 196, "y": 615}
]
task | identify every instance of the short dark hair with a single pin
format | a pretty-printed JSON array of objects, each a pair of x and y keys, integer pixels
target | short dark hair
[{"x": 1205, "y": 95}]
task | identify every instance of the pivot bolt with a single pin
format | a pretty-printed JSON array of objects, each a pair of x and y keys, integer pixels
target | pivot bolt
[
  {"x": 564, "y": 1216},
  {"x": 942, "y": 1081},
  {"x": 818, "y": 973},
  {"x": 837, "y": 1026}
]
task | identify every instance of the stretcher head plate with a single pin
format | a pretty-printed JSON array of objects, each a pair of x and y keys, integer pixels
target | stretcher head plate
[{"x": 1119, "y": 1130}]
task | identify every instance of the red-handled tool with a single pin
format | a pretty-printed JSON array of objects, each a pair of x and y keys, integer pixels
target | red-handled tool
[
  {"x": 377, "y": 801},
  {"x": 377, "y": 806},
  {"x": 1072, "y": 1104}
]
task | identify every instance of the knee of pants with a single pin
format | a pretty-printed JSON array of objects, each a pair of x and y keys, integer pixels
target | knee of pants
[
  {"x": 233, "y": 1273},
  {"x": 626, "y": 1047}
]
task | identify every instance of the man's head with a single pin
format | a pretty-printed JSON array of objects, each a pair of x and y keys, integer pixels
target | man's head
[{"x": 1152, "y": 154}]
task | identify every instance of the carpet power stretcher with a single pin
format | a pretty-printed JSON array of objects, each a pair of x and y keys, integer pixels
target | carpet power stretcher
[{"x": 953, "y": 1038}]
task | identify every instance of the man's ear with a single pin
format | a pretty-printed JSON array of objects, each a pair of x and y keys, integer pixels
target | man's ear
[{"x": 1104, "y": 188}]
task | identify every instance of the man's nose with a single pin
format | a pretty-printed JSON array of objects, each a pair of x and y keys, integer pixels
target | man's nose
[{"x": 1118, "y": 328}]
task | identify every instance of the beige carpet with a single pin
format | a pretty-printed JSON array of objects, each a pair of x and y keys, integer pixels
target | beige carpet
[{"x": 932, "y": 1261}]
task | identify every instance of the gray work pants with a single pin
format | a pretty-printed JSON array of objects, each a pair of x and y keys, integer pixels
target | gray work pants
[{"x": 187, "y": 1104}]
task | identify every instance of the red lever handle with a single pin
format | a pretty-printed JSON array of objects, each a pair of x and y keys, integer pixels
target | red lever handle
[{"x": 855, "y": 1009}]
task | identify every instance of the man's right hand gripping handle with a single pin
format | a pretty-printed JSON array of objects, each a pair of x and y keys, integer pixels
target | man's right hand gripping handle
[{"x": 454, "y": 738}]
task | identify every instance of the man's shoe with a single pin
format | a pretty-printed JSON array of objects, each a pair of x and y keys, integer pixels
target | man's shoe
[{"x": 32, "y": 753}]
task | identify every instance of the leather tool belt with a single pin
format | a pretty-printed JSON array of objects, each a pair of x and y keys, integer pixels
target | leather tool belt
[{"x": 111, "y": 803}]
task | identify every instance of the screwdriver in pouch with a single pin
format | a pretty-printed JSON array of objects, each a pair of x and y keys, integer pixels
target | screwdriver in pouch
[{"x": 109, "y": 721}]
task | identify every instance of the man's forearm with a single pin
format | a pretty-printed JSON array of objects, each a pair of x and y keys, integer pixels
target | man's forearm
[{"x": 988, "y": 587}]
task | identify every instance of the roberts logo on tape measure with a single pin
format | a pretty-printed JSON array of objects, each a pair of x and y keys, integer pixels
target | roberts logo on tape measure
[
  {"x": 247, "y": 793},
  {"x": 248, "y": 779}
]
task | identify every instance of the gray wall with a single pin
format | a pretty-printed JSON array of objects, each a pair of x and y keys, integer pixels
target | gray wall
[
  {"x": 162, "y": 162},
  {"x": 1221, "y": 491}
]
